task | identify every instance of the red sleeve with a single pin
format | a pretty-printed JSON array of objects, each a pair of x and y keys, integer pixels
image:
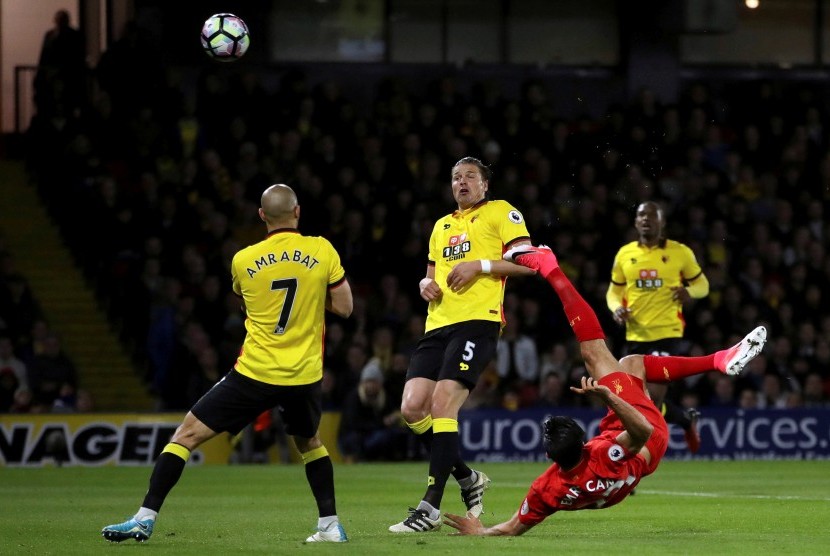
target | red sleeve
[
  {"x": 534, "y": 510},
  {"x": 608, "y": 459}
]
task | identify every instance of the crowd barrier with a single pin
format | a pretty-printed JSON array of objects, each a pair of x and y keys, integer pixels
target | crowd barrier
[
  {"x": 486, "y": 436},
  {"x": 95, "y": 439},
  {"x": 726, "y": 434}
]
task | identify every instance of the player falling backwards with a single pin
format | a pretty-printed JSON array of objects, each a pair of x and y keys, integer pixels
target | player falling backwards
[{"x": 633, "y": 435}]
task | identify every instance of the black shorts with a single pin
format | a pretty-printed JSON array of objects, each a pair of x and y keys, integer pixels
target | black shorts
[
  {"x": 455, "y": 352},
  {"x": 664, "y": 346},
  {"x": 237, "y": 400}
]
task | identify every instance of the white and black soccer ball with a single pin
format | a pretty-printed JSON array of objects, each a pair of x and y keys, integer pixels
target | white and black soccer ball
[{"x": 225, "y": 37}]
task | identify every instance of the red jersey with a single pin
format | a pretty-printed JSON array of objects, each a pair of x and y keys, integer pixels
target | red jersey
[{"x": 607, "y": 473}]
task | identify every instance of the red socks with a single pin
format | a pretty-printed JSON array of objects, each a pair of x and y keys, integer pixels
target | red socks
[
  {"x": 580, "y": 315},
  {"x": 664, "y": 369}
]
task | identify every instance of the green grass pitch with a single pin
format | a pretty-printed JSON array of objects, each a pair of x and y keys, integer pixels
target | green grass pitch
[{"x": 718, "y": 507}]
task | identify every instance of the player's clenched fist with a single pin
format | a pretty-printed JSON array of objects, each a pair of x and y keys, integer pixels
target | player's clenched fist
[{"x": 430, "y": 290}]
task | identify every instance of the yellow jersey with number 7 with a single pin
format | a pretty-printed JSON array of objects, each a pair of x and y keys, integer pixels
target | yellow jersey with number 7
[{"x": 283, "y": 281}]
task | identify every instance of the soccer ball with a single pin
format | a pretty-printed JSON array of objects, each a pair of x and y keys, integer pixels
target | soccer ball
[{"x": 225, "y": 37}]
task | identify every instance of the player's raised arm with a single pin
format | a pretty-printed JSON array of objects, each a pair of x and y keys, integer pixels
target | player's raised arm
[
  {"x": 637, "y": 428},
  {"x": 465, "y": 272}
]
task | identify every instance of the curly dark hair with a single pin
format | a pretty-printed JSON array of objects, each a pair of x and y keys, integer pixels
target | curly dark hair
[{"x": 563, "y": 440}]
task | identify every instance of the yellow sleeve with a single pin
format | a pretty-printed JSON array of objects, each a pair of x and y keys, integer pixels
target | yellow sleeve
[
  {"x": 698, "y": 283},
  {"x": 336, "y": 270},
  {"x": 614, "y": 296},
  {"x": 699, "y": 287},
  {"x": 617, "y": 275},
  {"x": 434, "y": 253},
  {"x": 512, "y": 225},
  {"x": 237, "y": 287}
]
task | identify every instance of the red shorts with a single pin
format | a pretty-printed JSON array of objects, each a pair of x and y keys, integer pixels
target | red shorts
[{"x": 630, "y": 388}]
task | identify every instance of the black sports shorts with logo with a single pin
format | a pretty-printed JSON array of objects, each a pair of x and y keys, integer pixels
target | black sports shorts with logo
[
  {"x": 455, "y": 352},
  {"x": 237, "y": 400},
  {"x": 664, "y": 346}
]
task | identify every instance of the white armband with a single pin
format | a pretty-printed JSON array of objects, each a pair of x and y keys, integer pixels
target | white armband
[{"x": 486, "y": 266}]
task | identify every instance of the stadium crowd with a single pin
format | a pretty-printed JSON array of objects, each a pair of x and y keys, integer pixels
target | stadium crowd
[{"x": 155, "y": 185}]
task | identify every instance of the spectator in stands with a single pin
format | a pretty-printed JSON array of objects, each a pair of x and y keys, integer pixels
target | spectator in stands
[
  {"x": 50, "y": 371},
  {"x": 724, "y": 395},
  {"x": 61, "y": 68},
  {"x": 10, "y": 364},
  {"x": 128, "y": 70},
  {"x": 9, "y": 385},
  {"x": 556, "y": 360},
  {"x": 18, "y": 307},
  {"x": 370, "y": 424},
  {"x": 772, "y": 394},
  {"x": 814, "y": 391},
  {"x": 552, "y": 391},
  {"x": 22, "y": 403},
  {"x": 485, "y": 394},
  {"x": 517, "y": 363}
]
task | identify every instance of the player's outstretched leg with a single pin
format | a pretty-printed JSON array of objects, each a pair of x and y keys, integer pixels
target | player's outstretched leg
[
  {"x": 581, "y": 316},
  {"x": 541, "y": 259},
  {"x": 667, "y": 368},
  {"x": 733, "y": 360},
  {"x": 140, "y": 530}
]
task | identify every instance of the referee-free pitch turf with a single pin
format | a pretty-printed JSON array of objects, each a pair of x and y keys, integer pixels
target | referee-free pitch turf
[{"x": 714, "y": 507}]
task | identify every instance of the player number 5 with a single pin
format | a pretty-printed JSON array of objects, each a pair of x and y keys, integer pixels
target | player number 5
[{"x": 468, "y": 351}]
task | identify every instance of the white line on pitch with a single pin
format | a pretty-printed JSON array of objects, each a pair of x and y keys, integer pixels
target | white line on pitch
[{"x": 726, "y": 495}]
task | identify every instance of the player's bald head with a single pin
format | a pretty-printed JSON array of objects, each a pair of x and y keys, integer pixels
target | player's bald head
[{"x": 278, "y": 203}]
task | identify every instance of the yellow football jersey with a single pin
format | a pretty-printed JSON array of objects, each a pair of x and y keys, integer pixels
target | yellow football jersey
[
  {"x": 483, "y": 231},
  {"x": 284, "y": 280},
  {"x": 648, "y": 274}
]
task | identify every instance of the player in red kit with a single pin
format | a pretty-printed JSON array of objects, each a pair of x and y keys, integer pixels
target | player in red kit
[{"x": 633, "y": 435}]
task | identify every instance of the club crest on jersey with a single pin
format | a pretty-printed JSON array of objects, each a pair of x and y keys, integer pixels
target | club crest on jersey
[
  {"x": 515, "y": 216},
  {"x": 617, "y": 386}
]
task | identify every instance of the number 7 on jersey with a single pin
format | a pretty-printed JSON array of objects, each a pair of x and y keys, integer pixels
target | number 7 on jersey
[{"x": 290, "y": 287}]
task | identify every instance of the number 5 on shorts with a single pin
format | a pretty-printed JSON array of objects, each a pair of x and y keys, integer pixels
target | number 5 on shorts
[{"x": 467, "y": 355}]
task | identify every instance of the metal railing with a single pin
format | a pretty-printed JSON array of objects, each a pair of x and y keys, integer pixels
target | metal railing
[{"x": 24, "y": 97}]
